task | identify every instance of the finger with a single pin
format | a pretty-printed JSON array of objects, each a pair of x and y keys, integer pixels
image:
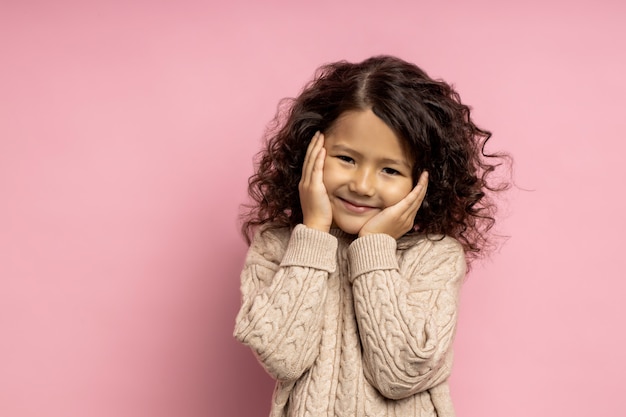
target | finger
[
  {"x": 316, "y": 160},
  {"x": 423, "y": 180},
  {"x": 422, "y": 187},
  {"x": 309, "y": 157},
  {"x": 309, "y": 150},
  {"x": 317, "y": 176},
  {"x": 419, "y": 191},
  {"x": 414, "y": 199}
]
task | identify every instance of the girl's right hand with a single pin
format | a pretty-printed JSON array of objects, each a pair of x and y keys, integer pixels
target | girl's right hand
[{"x": 316, "y": 210}]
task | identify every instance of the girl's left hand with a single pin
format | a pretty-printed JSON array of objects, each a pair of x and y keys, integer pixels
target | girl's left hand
[{"x": 398, "y": 219}]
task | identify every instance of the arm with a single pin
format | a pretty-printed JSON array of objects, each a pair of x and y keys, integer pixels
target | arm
[
  {"x": 283, "y": 288},
  {"x": 406, "y": 311}
]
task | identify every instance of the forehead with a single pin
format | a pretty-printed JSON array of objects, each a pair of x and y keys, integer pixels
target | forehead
[{"x": 366, "y": 133}]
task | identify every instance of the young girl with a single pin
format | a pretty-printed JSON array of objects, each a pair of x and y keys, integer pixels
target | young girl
[{"x": 370, "y": 199}]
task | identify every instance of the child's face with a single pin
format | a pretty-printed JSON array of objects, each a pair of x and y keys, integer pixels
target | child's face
[{"x": 366, "y": 169}]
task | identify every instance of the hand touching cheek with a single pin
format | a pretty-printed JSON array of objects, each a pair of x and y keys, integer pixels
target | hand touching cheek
[
  {"x": 316, "y": 209},
  {"x": 396, "y": 220}
]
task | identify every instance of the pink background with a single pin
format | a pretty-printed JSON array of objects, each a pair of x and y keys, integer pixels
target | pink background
[{"x": 127, "y": 131}]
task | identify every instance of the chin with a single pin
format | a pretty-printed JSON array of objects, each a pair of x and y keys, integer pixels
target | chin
[{"x": 350, "y": 228}]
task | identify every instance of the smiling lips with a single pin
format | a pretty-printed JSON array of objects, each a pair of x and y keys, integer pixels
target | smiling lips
[{"x": 356, "y": 207}]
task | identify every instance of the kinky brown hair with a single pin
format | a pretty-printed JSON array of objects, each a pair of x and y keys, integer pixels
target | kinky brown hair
[{"x": 426, "y": 114}]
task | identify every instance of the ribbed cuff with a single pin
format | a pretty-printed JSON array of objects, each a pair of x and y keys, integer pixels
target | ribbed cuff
[
  {"x": 311, "y": 248},
  {"x": 371, "y": 253}
]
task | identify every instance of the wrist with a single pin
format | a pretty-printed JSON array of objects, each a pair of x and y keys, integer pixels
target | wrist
[{"x": 317, "y": 226}]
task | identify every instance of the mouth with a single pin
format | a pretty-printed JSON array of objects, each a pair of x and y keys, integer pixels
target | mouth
[{"x": 355, "y": 206}]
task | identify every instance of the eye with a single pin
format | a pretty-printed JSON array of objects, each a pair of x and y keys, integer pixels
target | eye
[
  {"x": 391, "y": 171},
  {"x": 345, "y": 158}
]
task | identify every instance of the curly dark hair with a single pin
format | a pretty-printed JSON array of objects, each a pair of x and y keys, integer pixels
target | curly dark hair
[{"x": 426, "y": 114}]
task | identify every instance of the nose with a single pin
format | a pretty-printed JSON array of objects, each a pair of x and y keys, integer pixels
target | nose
[{"x": 363, "y": 182}]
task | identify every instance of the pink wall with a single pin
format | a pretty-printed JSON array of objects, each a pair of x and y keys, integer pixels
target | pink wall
[{"x": 126, "y": 136}]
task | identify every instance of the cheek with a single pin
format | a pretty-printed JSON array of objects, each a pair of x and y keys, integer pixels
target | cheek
[
  {"x": 334, "y": 176},
  {"x": 329, "y": 177},
  {"x": 396, "y": 192}
]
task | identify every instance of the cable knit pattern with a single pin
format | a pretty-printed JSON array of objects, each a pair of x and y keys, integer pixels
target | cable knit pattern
[{"x": 352, "y": 327}]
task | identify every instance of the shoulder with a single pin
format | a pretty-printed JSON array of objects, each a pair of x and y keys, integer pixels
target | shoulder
[
  {"x": 270, "y": 242},
  {"x": 436, "y": 243},
  {"x": 432, "y": 252}
]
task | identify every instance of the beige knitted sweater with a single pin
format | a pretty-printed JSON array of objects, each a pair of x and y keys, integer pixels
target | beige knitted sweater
[{"x": 352, "y": 327}]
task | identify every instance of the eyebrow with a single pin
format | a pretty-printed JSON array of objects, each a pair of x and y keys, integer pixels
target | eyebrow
[{"x": 390, "y": 161}]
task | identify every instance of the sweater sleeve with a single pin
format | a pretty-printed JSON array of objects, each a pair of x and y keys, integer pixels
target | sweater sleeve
[
  {"x": 406, "y": 309},
  {"x": 283, "y": 288}
]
